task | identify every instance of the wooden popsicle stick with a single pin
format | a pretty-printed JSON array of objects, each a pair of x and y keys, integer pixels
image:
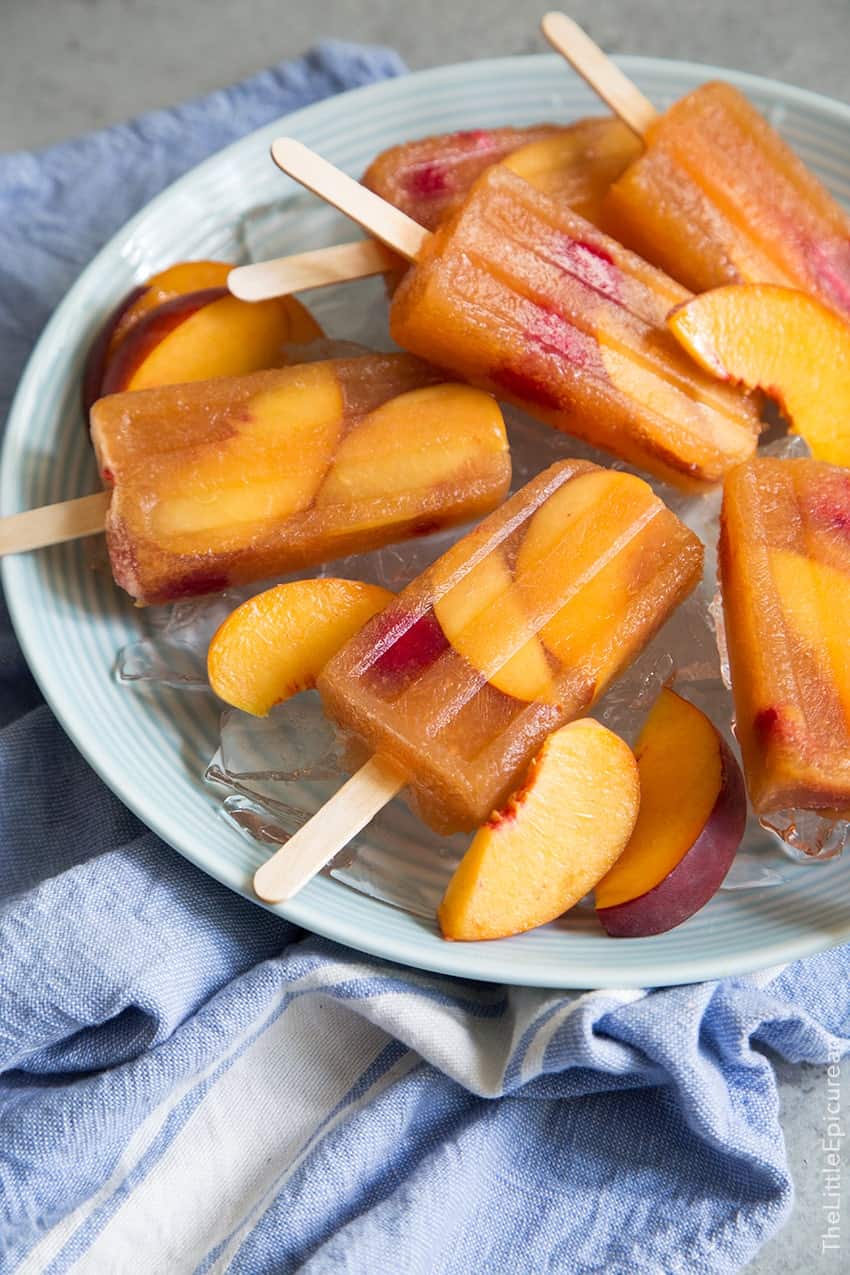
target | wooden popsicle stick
[
  {"x": 387, "y": 223},
  {"x": 306, "y": 270},
  {"x": 52, "y": 524},
  {"x": 332, "y": 827},
  {"x": 607, "y": 80}
]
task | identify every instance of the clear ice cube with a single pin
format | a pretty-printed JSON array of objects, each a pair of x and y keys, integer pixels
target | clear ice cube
[{"x": 806, "y": 835}]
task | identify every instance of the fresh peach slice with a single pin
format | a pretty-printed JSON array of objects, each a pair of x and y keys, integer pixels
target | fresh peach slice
[
  {"x": 204, "y": 334},
  {"x": 174, "y": 281},
  {"x": 693, "y": 809},
  {"x": 578, "y": 164},
  {"x": 485, "y": 621},
  {"x": 185, "y": 276},
  {"x": 191, "y": 277},
  {"x": 276, "y": 644},
  {"x": 552, "y": 842},
  {"x": 422, "y": 438},
  {"x": 269, "y": 467},
  {"x": 781, "y": 341}
]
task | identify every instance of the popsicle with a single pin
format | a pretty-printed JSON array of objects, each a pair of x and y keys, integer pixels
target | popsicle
[
  {"x": 718, "y": 197},
  {"x": 429, "y": 178},
  {"x": 238, "y": 479},
  {"x": 522, "y": 296},
  {"x": 577, "y": 164},
  {"x": 785, "y": 576},
  {"x": 514, "y": 631}
]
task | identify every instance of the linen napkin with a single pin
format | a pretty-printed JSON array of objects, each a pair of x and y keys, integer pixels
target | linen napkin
[{"x": 189, "y": 1084}]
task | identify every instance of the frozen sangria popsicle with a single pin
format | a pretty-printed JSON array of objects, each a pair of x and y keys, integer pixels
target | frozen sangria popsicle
[
  {"x": 719, "y": 197},
  {"x": 521, "y": 295},
  {"x": 785, "y": 576},
  {"x": 514, "y": 631},
  {"x": 243, "y": 478},
  {"x": 428, "y": 179}
]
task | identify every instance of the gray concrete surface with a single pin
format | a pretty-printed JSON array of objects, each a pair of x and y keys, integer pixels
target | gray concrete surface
[{"x": 71, "y": 65}]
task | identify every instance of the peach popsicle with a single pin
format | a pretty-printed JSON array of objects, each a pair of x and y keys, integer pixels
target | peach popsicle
[
  {"x": 514, "y": 631},
  {"x": 719, "y": 197},
  {"x": 785, "y": 577},
  {"x": 243, "y": 478},
  {"x": 519, "y": 294},
  {"x": 429, "y": 178}
]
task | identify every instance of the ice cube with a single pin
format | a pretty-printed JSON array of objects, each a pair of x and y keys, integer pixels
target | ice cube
[
  {"x": 296, "y": 741},
  {"x": 181, "y": 665},
  {"x": 806, "y": 835},
  {"x": 750, "y": 871}
]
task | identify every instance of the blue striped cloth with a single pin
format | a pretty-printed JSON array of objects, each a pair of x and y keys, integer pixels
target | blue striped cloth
[{"x": 188, "y": 1084}]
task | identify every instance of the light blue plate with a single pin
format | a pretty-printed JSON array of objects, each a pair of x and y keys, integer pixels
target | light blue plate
[{"x": 152, "y": 748}]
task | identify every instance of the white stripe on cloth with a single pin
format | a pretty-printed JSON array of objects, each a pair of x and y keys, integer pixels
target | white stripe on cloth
[
  {"x": 252, "y": 1122},
  {"x": 276, "y": 1184},
  {"x": 52, "y": 1243}
]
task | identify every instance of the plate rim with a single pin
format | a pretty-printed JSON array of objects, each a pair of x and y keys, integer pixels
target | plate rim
[{"x": 460, "y": 960}]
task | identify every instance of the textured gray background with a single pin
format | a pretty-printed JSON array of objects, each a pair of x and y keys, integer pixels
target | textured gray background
[{"x": 71, "y": 65}]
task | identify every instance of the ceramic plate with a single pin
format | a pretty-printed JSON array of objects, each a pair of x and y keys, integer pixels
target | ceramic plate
[{"x": 152, "y": 745}]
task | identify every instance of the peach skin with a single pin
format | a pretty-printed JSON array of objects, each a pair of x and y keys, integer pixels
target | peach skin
[{"x": 693, "y": 810}]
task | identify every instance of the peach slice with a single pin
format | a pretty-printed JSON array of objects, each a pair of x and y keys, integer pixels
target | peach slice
[
  {"x": 557, "y": 835},
  {"x": 485, "y": 621},
  {"x": 578, "y": 164},
  {"x": 781, "y": 341},
  {"x": 693, "y": 809},
  {"x": 186, "y": 276},
  {"x": 102, "y": 348},
  {"x": 815, "y": 598},
  {"x": 276, "y": 644},
  {"x": 269, "y": 467},
  {"x": 567, "y": 536},
  {"x": 174, "y": 281},
  {"x": 204, "y": 334},
  {"x": 423, "y": 437}
]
